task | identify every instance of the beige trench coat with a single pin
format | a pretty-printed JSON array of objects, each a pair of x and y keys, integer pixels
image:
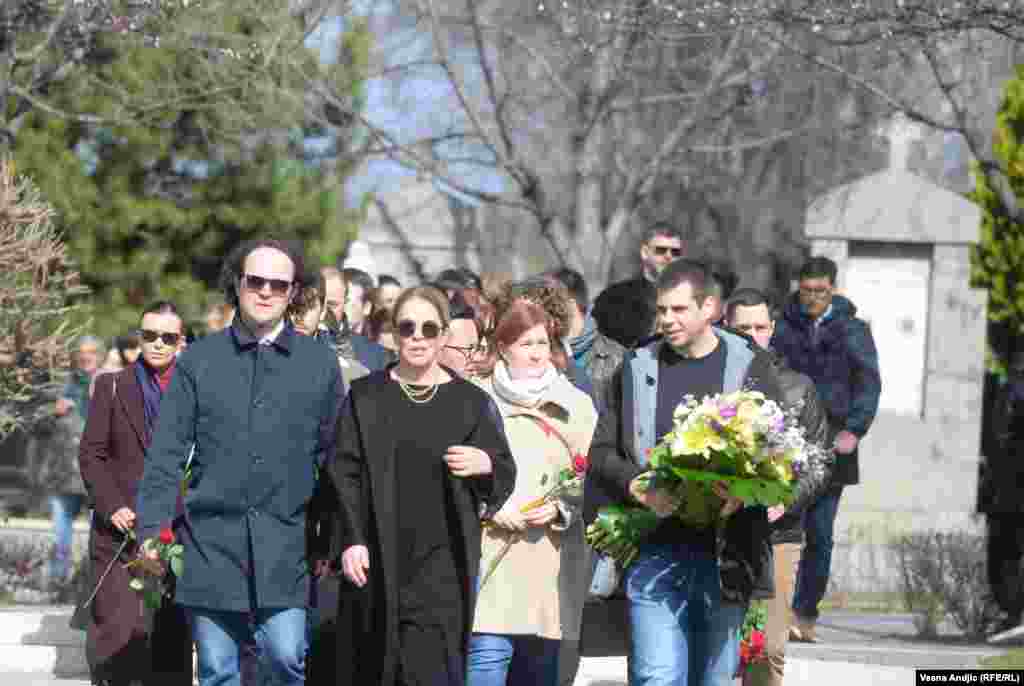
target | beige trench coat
[{"x": 539, "y": 587}]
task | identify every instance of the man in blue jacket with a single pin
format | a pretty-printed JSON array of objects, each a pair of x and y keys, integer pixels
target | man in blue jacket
[
  {"x": 687, "y": 589},
  {"x": 820, "y": 336},
  {"x": 259, "y": 403}
]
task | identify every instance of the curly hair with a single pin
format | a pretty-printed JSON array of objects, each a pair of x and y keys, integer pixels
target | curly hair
[
  {"x": 544, "y": 291},
  {"x": 233, "y": 266},
  {"x": 312, "y": 294}
]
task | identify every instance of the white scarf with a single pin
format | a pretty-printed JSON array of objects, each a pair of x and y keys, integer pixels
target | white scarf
[{"x": 522, "y": 392}]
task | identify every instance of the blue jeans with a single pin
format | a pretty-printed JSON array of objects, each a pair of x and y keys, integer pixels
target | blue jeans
[
  {"x": 816, "y": 559},
  {"x": 682, "y": 632},
  {"x": 505, "y": 660},
  {"x": 63, "y": 508},
  {"x": 280, "y": 637}
]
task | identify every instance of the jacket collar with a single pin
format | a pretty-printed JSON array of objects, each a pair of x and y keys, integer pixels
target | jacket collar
[{"x": 245, "y": 339}]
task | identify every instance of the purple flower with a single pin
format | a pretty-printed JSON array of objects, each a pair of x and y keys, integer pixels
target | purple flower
[
  {"x": 727, "y": 411},
  {"x": 716, "y": 426},
  {"x": 779, "y": 425}
]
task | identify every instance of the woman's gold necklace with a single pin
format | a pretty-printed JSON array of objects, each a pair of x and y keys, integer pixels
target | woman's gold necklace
[{"x": 418, "y": 395}]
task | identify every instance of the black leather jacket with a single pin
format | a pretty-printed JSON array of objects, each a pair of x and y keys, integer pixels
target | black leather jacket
[{"x": 798, "y": 391}]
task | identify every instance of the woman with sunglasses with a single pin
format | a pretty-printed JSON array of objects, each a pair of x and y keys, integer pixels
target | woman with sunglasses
[
  {"x": 420, "y": 455},
  {"x": 534, "y": 554}
]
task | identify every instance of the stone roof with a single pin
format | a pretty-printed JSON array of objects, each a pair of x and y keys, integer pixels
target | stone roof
[{"x": 894, "y": 205}]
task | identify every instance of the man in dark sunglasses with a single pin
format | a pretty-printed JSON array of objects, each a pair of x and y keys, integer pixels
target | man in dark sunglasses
[
  {"x": 625, "y": 311},
  {"x": 259, "y": 403}
]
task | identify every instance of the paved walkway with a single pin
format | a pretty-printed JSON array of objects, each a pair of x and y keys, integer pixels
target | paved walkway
[{"x": 855, "y": 648}]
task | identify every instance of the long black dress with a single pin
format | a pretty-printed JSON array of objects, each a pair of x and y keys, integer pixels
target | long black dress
[{"x": 410, "y": 625}]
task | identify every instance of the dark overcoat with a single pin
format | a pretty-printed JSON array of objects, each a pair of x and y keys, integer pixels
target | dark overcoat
[
  {"x": 261, "y": 418},
  {"x": 363, "y": 471},
  {"x": 111, "y": 456}
]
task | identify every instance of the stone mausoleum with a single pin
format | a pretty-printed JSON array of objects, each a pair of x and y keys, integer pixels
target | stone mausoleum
[{"x": 902, "y": 246}]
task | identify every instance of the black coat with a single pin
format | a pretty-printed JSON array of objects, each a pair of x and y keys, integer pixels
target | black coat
[
  {"x": 261, "y": 418},
  {"x": 625, "y": 311},
  {"x": 363, "y": 471},
  {"x": 1003, "y": 487}
]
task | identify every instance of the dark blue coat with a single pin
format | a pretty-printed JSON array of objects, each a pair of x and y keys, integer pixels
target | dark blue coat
[
  {"x": 261, "y": 417},
  {"x": 370, "y": 354},
  {"x": 841, "y": 359}
]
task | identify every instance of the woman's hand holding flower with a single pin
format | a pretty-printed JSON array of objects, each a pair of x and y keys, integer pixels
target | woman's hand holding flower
[
  {"x": 542, "y": 515},
  {"x": 510, "y": 518}
]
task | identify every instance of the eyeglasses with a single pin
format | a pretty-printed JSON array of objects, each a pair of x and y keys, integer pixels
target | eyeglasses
[
  {"x": 662, "y": 250},
  {"x": 255, "y": 283},
  {"x": 151, "y": 336},
  {"x": 469, "y": 351},
  {"x": 815, "y": 292},
  {"x": 429, "y": 330}
]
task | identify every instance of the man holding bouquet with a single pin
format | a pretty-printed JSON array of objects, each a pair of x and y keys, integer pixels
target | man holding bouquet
[{"x": 688, "y": 587}]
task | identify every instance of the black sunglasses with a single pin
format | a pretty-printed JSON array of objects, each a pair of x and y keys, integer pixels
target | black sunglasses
[
  {"x": 662, "y": 250},
  {"x": 429, "y": 330},
  {"x": 257, "y": 283},
  {"x": 151, "y": 336}
]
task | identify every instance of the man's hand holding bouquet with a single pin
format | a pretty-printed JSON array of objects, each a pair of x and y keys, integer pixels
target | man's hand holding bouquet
[{"x": 724, "y": 452}]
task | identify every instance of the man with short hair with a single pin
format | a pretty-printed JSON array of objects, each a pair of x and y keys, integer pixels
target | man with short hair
[
  {"x": 749, "y": 312},
  {"x": 819, "y": 335},
  {"x": 258, "y": 403},
  {"x": 359, "y": 303},
  {"x": 388, "y": 290},
  {"x": 687, "y": 590},
  {"x": 349, "y": 344},
  {"x": 625, "y": 311},
  {"x": 462, "y": 353}
]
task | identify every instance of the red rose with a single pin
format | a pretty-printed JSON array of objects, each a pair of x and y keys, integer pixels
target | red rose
[
  {"x": 757, "y": 641},
  {"x": 579, "y": 463},
  {"x": 166, "y": 536}
]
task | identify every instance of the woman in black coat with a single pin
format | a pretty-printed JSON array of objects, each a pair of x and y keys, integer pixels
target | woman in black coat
[{"x": 421, "y": 455}]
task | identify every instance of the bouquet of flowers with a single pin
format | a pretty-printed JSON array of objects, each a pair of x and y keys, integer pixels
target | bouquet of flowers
[
  {"x": 567, "y": 483},
  {"x": 752, "y": 636},
  {"x": 741, "y": 440},
  {"x": 152, "y": 581}
]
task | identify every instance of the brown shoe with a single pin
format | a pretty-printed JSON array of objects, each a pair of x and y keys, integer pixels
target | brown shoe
[{"x": 795, "y": 635}]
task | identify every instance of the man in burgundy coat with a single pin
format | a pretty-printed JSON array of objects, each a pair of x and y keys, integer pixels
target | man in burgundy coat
[{"x": 123, "y": 413}]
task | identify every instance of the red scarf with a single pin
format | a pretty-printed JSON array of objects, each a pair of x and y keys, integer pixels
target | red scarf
[{"x": 163, "y": 379}]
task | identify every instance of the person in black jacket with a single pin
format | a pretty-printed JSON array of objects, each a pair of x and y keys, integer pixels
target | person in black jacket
[
  {"x": 748, "y": 312},
  {"x": 1004, "y": 508},
  {"x": 687, "y": 590},
  {"x": 625, "y": 311},
  {"x": 819, "y": 335}
]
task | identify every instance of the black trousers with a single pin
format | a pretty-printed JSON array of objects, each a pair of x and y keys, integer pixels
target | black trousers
[{"x": 1005, "y": 544}]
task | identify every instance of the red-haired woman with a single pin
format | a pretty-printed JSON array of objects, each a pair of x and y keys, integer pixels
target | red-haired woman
[{"x": 532, "y": 599}]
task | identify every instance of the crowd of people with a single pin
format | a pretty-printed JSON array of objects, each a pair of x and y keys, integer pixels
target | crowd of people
[{"x": 342, "y": 456}]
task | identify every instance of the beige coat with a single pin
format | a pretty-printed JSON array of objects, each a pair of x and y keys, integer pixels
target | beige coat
[{"x": 539, "y": 586}]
